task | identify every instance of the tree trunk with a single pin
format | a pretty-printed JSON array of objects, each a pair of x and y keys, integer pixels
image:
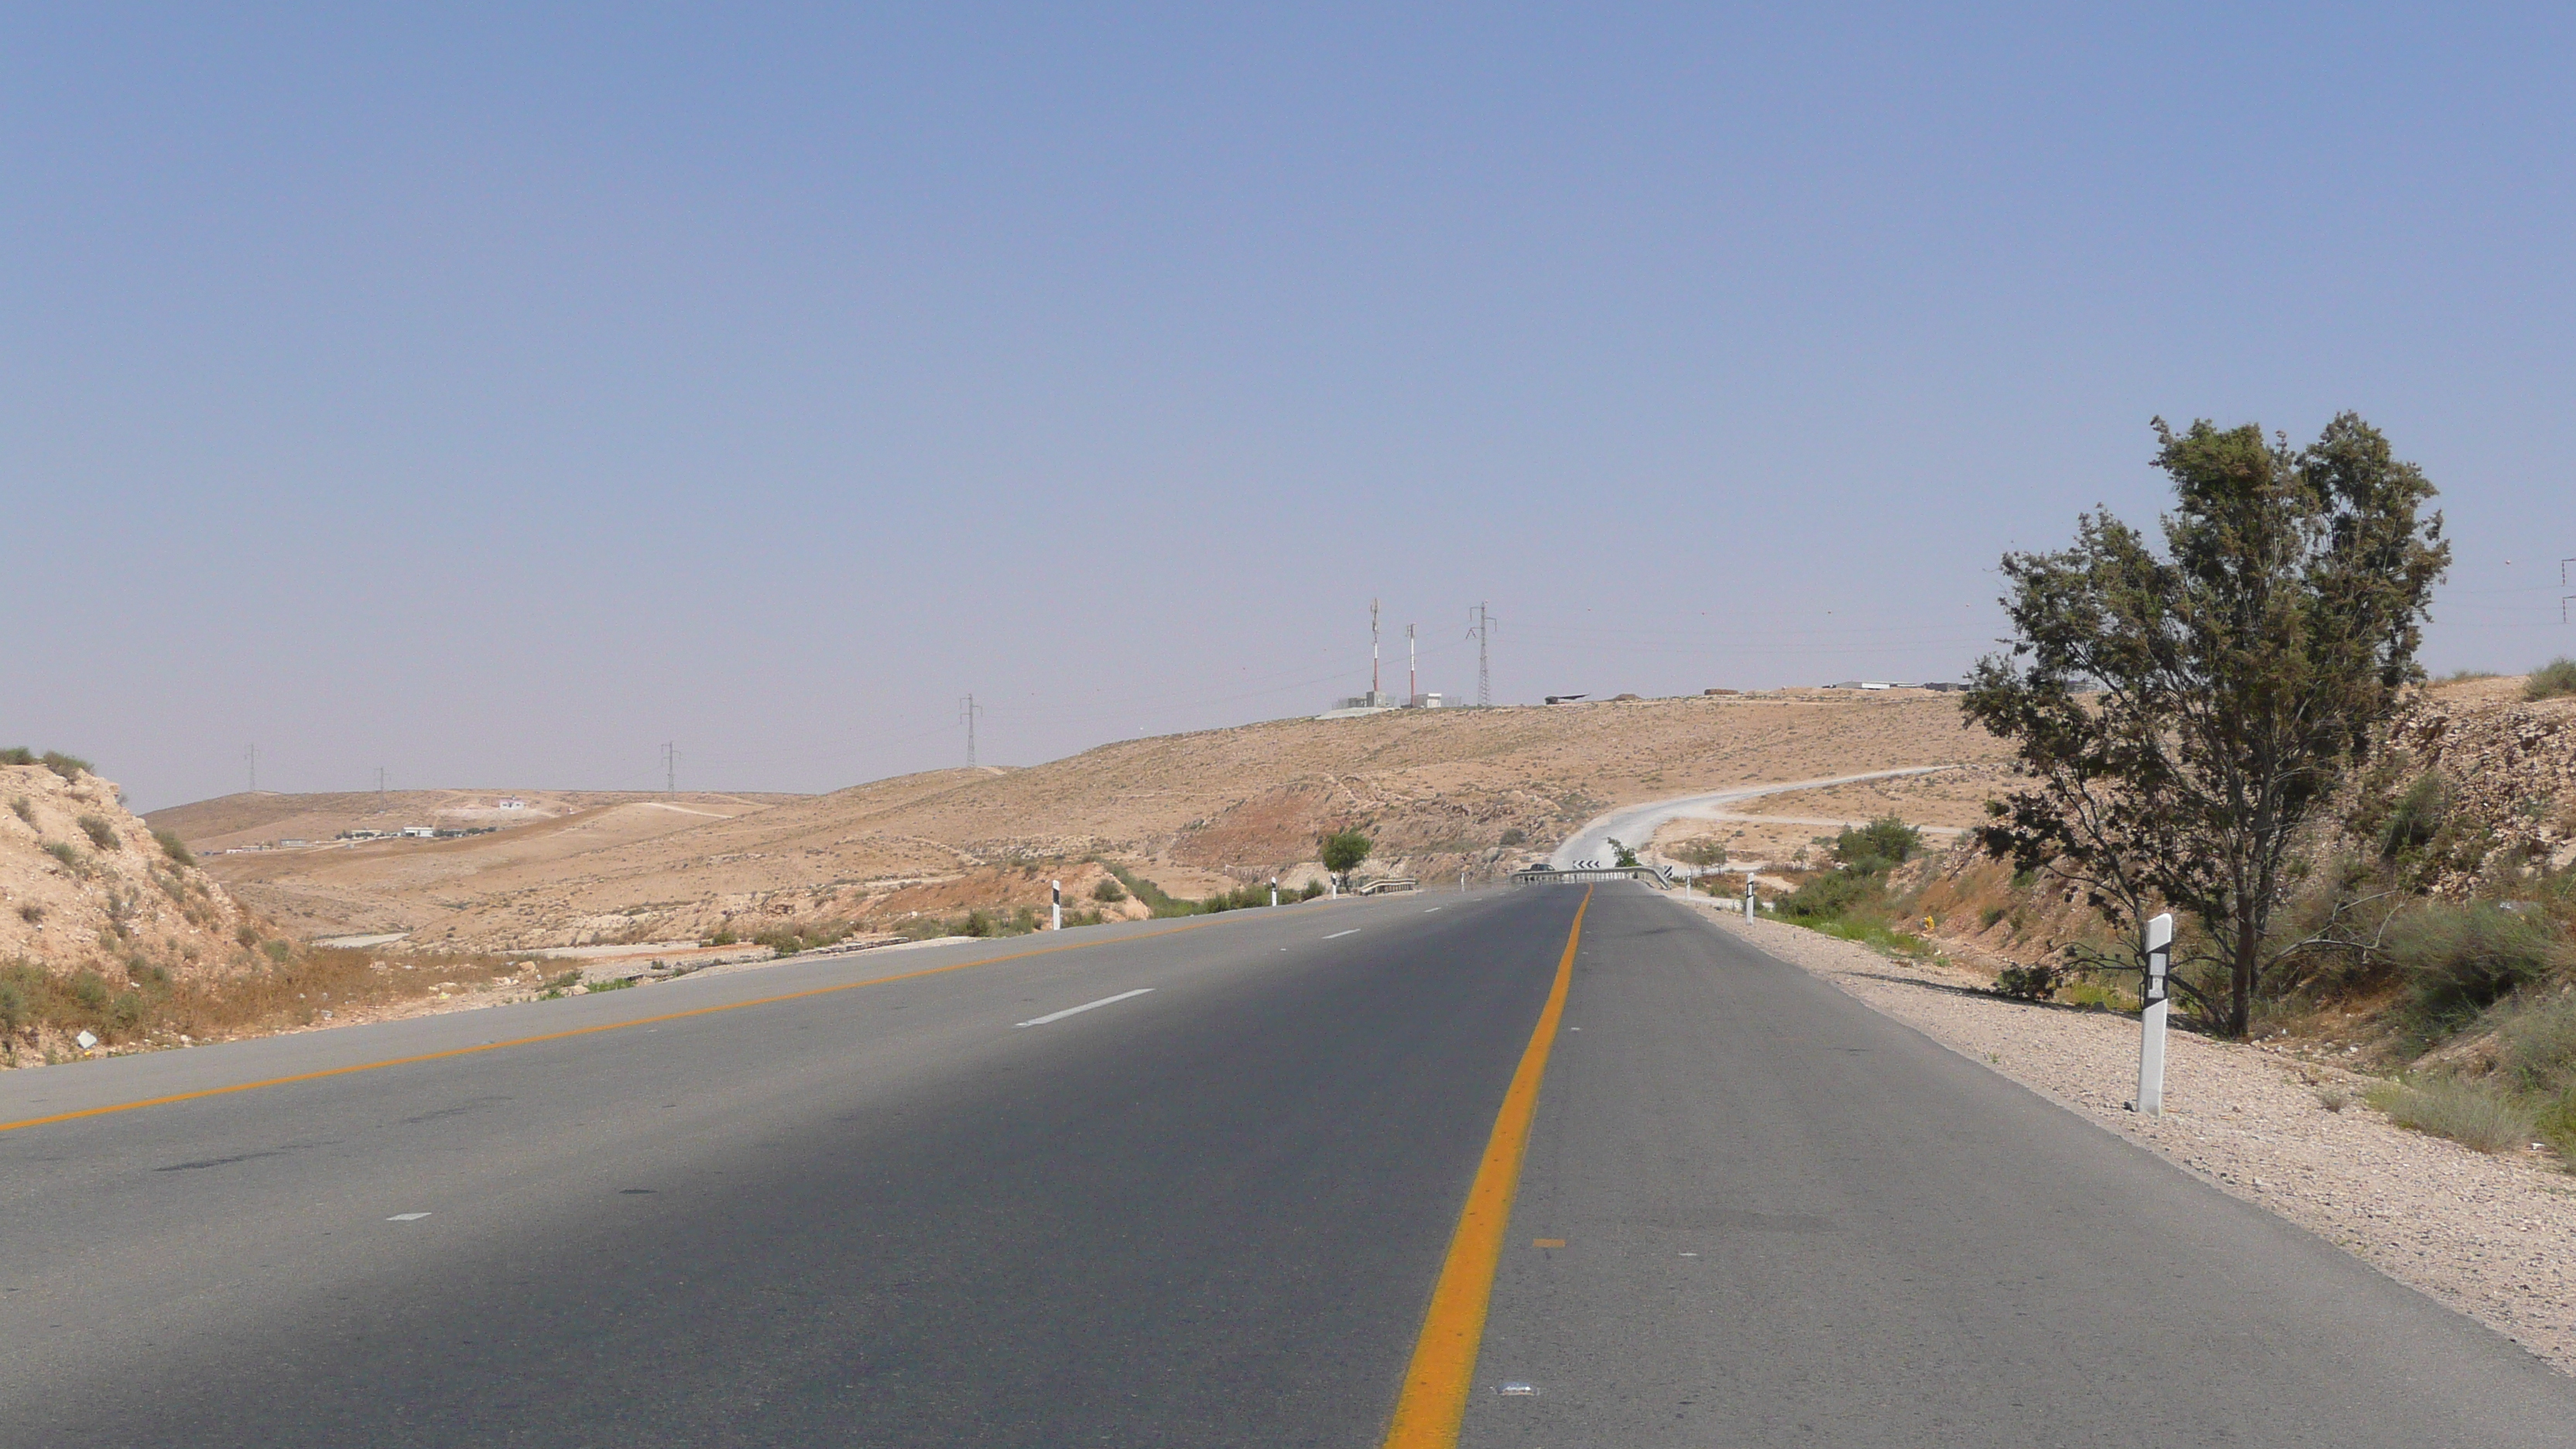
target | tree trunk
[{"x": 2240, "y": 1011}]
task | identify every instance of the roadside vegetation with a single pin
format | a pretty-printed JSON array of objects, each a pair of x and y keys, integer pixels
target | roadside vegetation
[
  {"x": 276, "y": 987},
  {"x": 2204, "y": 727}
]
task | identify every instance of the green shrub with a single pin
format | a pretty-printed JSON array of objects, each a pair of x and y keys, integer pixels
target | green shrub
[
  {"x": 2417, "y": 817},
  {"x": 24, "y": 811},
  {"x": 70, "y": 767},
  {"x": 2029, "y": 983},
  {"x": 2461, "y": 959},
  {"x": 1880, "y": 845},
  {"x": 1831, "y": 895},
  {"x": 1986, "y": 918},
  {"x": 17, "y": 755},
  {"x": 173, "y": 847},
  {"x": 278, "y": 951},
  {"x": 2549, "y": 681},
  {"x": 1108, "y": 892},
  {"x": 101, "y": 833},
  {"x": 1512, "y": 837},
  {"x": 2536, "y": 1044},
  {"x": 89, "y": 989},
  {"x": 2469, "y": 1114},
  {"x": 69, "y": 855},
  {"x": 247, "y": 934},
  {"x": 724, "y": 936},
  {"x": 1151, "y": 894},
  {"x": 922, "y": 928},
  {"x": 977, "y": 923}
]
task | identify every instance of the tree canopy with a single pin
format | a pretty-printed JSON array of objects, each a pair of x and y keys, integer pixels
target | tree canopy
[
  {"x": 2181, "y": 715},
  {"x": 1343, "y": 850}
]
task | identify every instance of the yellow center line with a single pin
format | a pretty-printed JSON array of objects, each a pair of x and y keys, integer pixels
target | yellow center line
[
  {"x": 520, "y": 1041},
  {"x": 1436, "y": 1383}
]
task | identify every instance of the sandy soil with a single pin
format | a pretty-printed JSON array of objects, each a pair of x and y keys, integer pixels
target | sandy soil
[{"x": 2488, "y": 1236}]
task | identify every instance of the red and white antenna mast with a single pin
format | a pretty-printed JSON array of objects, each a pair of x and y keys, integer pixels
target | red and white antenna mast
[
  {"x": 1412, "y": 686},
  {"x": 1372, "y": 651}
]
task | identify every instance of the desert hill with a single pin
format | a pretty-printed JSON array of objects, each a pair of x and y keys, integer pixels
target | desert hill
[
  {"x": 257, "y": 819},
  {"x": 85, "y": 887},
  {"x": 1438, "y": 789}
]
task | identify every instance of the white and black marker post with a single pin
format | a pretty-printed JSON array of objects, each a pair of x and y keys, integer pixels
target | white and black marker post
[
  {"x": 1057, "y": 907},
  {"x": 2151, "y": 1030},
  {"x": 1748, "y": 895},
  {"x": 1274, "y": 890}
]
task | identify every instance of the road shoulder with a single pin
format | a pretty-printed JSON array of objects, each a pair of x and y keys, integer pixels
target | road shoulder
[{"x": 2486, "y": 1236}]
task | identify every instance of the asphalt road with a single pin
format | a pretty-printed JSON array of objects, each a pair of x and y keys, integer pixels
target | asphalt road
[{"x": 1209, "y": 1213}]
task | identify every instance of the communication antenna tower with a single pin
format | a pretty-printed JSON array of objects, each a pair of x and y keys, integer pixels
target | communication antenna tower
[
  {"x": 253, "y": 754},
  {"x": 967, "y": 709},
  {"x": 1373, "y": 687},
  {"x": 671, "y": 769},
  {"x": 1412, "y": 682}
]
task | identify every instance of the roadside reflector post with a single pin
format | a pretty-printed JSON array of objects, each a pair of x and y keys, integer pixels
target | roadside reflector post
[
  {"x": 1274, "y": 890},
  {"x": 2151, "y": 1028},
  {"x": 1748, "y": 895},
  {"x": 1056, "y": 906}
]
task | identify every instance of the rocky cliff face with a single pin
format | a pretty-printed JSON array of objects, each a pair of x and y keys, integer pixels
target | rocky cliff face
[{"x": 84, "y": 886}]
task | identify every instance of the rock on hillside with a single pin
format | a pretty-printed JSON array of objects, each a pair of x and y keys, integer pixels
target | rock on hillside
[
  {"x": 2509, "y": 768},
  {"x": 85, "y": 886}
]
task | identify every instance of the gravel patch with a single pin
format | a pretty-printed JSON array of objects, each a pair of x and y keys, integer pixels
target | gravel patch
[{"x": 2493, "y": 1237}]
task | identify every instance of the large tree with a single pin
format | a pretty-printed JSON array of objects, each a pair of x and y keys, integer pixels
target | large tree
[{"x": 2182, "y": 714}]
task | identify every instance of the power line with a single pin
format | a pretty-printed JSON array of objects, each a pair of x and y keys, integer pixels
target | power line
[{"x": 1484, "y": 658}]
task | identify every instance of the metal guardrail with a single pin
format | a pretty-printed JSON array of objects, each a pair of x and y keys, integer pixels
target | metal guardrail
[
  {"x": 1386, "y": 885},
  {"x": 1591, "y": 874}
]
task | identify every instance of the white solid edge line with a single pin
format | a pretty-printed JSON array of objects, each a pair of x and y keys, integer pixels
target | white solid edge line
[
  {"x": 1086, "y": 1006},
  {"x": 1337, "y": 935}
]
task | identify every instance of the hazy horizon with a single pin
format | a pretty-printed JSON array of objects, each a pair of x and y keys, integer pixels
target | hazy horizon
[{"x": 499, "y": 396}]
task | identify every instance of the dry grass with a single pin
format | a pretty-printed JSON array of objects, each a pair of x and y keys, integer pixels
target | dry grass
[
  {"x": 146, "y": 1005},
  {"x": 2462, "y": 1111}
]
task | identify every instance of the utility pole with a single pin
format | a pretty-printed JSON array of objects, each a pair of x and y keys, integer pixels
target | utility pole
[
  {"x": 1484, "y": 660},
  {"x": 2562, "y": 583},
  {"x": 254, "y": 769},
  {"x": 380, "y": 789},
  {"x": 967, "y": 709},
  {"x": 671, "y": 769}
]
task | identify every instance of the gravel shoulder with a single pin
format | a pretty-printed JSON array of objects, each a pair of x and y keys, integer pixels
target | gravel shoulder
[{"x": 2492, "y": 1237}]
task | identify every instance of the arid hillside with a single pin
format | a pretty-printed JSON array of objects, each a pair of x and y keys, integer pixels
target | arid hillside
[
  {"x": 1438, "y": 790},
  {"x": 261, "y": 819},
  {"x": 84, "y": 886}
]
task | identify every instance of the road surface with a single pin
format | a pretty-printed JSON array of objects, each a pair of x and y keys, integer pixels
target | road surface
[
  {"x": 1635, "y": 825},
  {"x": 1181, "y": 1183}
]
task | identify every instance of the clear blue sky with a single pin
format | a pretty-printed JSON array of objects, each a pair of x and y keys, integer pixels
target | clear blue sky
[{"x": 493, "y": 396}]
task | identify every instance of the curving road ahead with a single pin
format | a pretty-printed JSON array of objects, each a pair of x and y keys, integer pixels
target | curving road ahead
[
  {"x": 1635, "y": 825},
  {"x": 1185, "y": 1183}
]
